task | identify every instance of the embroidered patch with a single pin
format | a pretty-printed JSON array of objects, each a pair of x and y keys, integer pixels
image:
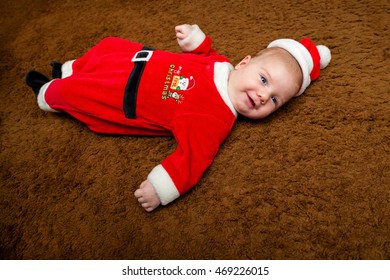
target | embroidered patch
[
  {"x": 175, "y": 82},
  {"x": 182, "y": 83}
]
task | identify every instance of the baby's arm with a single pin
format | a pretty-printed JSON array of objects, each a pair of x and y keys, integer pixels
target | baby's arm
[
  {"x": 192, "y": 39},
  {"x": 147, "y": 196}
]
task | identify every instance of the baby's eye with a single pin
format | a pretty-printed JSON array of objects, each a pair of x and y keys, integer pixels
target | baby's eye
[
  {"x": 263, "y": 80},
  {"x": 274, "y": 100}
]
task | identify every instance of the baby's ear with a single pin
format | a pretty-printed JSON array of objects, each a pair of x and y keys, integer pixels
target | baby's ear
[{"x": 243, "y": 62}]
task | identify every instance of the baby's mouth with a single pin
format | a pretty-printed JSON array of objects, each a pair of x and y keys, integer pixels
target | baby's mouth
[{"x": 251, "y": 102}]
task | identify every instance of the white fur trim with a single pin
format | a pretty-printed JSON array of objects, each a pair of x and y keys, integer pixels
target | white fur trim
[
  {"x": 301, "y": 54},
  {"x": 325, "y": 55},
  {"x": 193, "y": 40},
  {"x": 41, "y": 99},
  {"x": 67, "y": 69},
  {"x": 163, "y": 184},
  {"x": 221, "y": 77}
]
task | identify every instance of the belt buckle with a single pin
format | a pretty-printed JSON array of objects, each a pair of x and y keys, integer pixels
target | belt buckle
[{"x": 143, "y": 55}]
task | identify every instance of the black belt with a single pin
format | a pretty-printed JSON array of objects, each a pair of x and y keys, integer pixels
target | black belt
[{"x": 130, "y": 96}]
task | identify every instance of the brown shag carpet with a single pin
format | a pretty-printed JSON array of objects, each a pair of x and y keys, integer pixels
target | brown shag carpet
[{"x": 312, "y": 181}]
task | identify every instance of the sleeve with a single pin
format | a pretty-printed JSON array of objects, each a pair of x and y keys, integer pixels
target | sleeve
[{"x": 198, "y": 141}]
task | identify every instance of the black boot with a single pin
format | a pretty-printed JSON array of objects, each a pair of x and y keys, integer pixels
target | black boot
[
  {"x": 36, "y": 80},
  {"x": 56, "y": 71}
]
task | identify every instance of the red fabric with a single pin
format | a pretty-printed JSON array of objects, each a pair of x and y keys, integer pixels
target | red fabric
[
  {"x": 312, "y": 48},
  {"x": 193, "y": 112}
]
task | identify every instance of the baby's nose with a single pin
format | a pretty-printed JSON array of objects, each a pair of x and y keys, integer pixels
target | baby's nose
[{"x": 263, "y": 97}]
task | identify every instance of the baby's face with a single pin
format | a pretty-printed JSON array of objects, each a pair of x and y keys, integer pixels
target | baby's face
[{"x": 260, "y": 85}]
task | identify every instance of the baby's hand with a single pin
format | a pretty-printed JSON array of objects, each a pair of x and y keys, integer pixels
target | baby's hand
[
  {"x": 147, "y": 196},
  {"x": 182, "y": 31}
]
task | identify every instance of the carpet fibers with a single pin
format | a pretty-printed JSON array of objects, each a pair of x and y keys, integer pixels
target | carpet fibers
[{"x": 312, "y": 181}]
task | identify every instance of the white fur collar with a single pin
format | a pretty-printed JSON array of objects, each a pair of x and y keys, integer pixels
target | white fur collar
[{"x": 221, "y": 76}]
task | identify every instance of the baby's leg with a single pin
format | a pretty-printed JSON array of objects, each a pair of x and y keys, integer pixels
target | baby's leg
[
  {"x": 39, "y": 84},
  {"x": 147, "y": 196},
  {"x": 42, "y": 101},
  {"x": 35, "y": 80}
]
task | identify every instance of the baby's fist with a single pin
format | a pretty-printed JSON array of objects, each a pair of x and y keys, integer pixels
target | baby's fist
[
  {"x": 147, "y": 196},
  {"x": 182, "y": 31}
]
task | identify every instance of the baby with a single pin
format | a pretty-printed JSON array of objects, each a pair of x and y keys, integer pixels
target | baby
[{"x": 122, "y": 87}]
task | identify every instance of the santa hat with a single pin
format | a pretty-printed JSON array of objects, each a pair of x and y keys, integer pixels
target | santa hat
[{"x": 311, "y": 58}]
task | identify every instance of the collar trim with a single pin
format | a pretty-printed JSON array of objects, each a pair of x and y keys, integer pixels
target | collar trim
[{"x": 221, "y": 76}]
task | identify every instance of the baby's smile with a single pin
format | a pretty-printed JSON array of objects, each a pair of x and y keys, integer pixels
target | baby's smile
[{"x": 251, "y": 103}]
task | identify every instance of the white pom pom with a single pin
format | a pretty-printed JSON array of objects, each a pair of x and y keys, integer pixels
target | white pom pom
[{"x": 325, "y": 55}]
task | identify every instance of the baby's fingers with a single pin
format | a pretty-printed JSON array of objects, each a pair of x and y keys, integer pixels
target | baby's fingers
[{"x": 182, "y": 31}]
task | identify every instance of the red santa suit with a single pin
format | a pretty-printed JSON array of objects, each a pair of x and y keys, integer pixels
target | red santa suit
[{"x": 184, "y": 95}]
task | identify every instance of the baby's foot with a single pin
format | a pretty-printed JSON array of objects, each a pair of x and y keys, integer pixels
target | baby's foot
[
  {"x": 147, "y": 196},
  {"x": 36, "y": 80},
  {"x": 56, "y": 71}
]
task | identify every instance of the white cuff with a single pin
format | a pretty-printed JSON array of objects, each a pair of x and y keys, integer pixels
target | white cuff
[
  {"x": 194, "y": 40},
  {"x": 67, "y": 69},
  {"x": 41, "y": 99},
  {"x": 163, "y": 185}
]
